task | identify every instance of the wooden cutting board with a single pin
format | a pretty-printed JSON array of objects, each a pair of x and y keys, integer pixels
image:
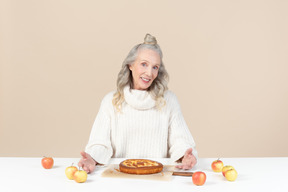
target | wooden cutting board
[{"x": 165, "y": 175}]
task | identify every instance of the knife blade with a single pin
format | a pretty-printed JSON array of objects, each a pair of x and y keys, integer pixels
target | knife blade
[{"x": 179, "y": 173}]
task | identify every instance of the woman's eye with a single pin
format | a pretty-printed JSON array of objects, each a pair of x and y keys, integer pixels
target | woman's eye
[
  {"x": 156, "y": 67},
  {"x": 143, "y": 64}
]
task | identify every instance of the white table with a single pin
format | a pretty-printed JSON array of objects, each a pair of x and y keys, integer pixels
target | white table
[{"x": 254, "y": 174}]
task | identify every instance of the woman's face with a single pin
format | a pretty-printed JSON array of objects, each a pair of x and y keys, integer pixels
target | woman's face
[{"x": 145, "y": 68}]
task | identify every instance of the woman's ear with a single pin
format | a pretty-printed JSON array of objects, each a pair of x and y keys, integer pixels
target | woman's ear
[{"x": 130, "y": 67}]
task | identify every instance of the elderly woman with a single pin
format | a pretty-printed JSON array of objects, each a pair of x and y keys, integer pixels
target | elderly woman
[{"x": 142, "y": 119}]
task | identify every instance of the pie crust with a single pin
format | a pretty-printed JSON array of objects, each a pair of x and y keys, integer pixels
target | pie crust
[{"x": 140, "y": 166}]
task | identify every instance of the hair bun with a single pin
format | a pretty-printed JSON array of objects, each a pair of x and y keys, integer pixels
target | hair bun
[{"x": 149, "y": 39}]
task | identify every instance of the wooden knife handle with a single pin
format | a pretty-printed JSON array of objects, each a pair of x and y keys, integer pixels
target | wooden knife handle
[{"x": 182, "y": 173}]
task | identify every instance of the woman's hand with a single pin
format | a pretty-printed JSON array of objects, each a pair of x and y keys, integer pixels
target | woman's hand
[
  {"x": 87, "y": 162},
  {"x": 188, "y": 160}
]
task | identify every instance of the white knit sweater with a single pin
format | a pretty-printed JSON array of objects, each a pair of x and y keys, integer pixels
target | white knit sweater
[{"x": 139, "y": 130}]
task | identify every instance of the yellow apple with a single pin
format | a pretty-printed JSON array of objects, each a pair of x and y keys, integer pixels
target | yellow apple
[
  {"x": 217, "y": 165},
  {"x": 80, "y": 176},
  {"x": 225, "y": 168},
  {"x": 70, "y": 171},
  {"x": 231, "y": 175}
]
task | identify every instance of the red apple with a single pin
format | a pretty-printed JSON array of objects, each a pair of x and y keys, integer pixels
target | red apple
[
  {"x": 47, "y": 162},
  {"x": 217, "y": 165},
  {"x": 199, "y": 178}
]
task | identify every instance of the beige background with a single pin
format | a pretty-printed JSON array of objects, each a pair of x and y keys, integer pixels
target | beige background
[{"x": 227, "y": 62}]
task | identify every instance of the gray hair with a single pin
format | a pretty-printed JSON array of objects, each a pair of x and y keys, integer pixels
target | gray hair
[{"x": 158, "y": 86}]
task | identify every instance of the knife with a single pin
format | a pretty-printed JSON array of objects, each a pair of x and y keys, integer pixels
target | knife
[{"x": 182, "y": 173}]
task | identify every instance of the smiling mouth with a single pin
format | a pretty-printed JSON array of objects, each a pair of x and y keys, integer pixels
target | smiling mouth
[{"x": 144, "y": 79}]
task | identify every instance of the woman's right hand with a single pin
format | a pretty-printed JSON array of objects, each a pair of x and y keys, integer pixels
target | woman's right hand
[{"x": 87, "y": 162}]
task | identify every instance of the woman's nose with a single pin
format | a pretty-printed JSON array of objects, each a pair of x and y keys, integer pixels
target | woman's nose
[{"x": 149, "y": 71}]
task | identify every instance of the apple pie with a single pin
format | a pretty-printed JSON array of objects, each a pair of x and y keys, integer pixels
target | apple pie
[{"x": 140, "y": 166}]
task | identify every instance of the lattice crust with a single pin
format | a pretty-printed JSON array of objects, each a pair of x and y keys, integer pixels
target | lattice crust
[
  {"x": 140, "y": 163},
  {"x": 140, "y": 166}
]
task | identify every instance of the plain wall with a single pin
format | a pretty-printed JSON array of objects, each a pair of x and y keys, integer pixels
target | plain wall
[{"x": 227, "y": 62}]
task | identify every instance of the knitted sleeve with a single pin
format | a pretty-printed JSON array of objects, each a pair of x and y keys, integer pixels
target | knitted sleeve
[
  {"x": 99, "y": 144},
  {"x": 180, "y": 138}
]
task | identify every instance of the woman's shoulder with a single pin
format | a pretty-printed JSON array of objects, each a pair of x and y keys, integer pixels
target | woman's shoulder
[
  {"x": 169, "y": 95},
  {"x": 172, "y": 103},
  {"x": 109, "y": 95},
  {"x": 171, "y": 98},
  {"x": 107, "y": 99}
]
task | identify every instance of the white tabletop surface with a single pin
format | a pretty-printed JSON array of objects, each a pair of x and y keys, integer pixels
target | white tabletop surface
[{"x": 254, "y": 174}]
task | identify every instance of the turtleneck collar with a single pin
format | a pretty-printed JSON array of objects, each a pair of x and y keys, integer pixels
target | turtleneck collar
[{"x": 138, "y": 99}]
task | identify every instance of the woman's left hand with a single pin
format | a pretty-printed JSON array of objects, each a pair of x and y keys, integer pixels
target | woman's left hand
[{"x": 188, "y": 160}]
